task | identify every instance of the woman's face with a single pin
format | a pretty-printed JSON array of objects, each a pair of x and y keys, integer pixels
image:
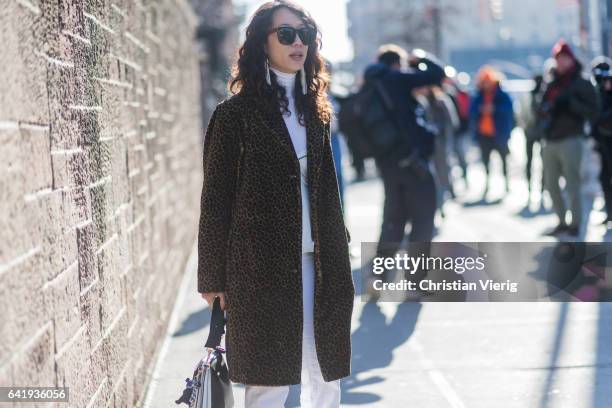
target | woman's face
[{"x": 286, "y": 58}]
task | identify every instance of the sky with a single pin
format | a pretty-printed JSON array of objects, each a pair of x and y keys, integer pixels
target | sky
[{"x": 330, "y": 15}]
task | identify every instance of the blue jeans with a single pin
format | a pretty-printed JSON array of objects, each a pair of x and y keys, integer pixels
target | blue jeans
[{"x": 337, "y": 153}]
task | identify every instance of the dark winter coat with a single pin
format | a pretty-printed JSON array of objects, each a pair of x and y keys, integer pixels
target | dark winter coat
[
  {"x": 565, "y": 115},
  {"x": 602, "y": 128},
  {"x": 409, "y": 113},
  {"x": 602, "y": 125},
  {"x": 250, "y": 244}
]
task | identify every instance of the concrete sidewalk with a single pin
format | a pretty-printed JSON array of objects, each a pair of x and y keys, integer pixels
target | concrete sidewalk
[
  {"x": 442, "y": 355},
  {"x": 515, "y": 355},
  {"x": 183, "y": 345},
  {"x": 439, "y": 355}
]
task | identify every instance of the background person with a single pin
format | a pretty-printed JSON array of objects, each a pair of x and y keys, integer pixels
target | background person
[
  {"x": 461, "y": 100},
  {"x": 532, "y": 127},
  {"x": 568, "y": 103},
  {"x": 492, "y": 116},
  {"x": 409, "y": 184},
  {"x": 602, "y": 129},
  {"x": 336, "y": 137},
  {"x": 442, "y": 113}
]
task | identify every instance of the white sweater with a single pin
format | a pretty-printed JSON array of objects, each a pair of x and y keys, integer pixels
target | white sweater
[{"x": 298, "y": 138}]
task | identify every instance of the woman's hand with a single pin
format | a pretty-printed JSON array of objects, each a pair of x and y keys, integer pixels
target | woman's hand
[{"x": 210, "y": 298}]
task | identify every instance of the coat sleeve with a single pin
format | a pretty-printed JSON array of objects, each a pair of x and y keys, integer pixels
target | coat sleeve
[
  {"x": 220, "y": 159},
  {"x": 415, "y": 79}
]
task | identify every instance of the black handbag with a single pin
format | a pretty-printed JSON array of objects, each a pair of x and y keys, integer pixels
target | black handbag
[{"x": 210, "y": 386}]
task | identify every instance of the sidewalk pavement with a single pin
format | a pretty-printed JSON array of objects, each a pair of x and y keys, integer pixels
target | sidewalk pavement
[
  {"x": 439, "y": 355},
  {"x": 183, "y": 345},
  {"x": 515, "y": 355}
]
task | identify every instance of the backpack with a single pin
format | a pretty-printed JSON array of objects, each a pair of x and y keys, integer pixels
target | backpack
[{"x": 366, "y": 119}]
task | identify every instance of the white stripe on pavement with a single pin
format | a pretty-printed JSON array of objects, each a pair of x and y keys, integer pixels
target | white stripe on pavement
[{"x": 436, "y": 375}]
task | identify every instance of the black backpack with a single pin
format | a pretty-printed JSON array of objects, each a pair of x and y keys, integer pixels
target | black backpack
[{"x": 367, "y": 120}]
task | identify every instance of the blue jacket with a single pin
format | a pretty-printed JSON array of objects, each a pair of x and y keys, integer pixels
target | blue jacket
[
  {"x": 399, "y": 85},
  {"x": 503, "y": 115}
]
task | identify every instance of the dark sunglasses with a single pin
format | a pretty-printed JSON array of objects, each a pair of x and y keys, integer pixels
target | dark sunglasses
[{"x": 286, "y": 35}]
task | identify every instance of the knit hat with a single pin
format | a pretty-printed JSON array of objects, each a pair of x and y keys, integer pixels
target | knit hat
[
  {"x": 562, "y": 47},
  {"x": 487, "y": 74}
]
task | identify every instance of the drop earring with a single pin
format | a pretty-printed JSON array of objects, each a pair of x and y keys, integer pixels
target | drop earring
[
  {"x": 303, "y": 79},
  {"x": 268, "y": 79}
]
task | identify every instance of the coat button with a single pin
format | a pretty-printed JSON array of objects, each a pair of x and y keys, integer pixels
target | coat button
[
  {"x": 292, "y": 176},
  {"x": 294, "y": 271}
]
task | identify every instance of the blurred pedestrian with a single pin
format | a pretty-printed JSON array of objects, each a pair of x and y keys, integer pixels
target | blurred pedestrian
[
  {"x": 568, "y": 103},
  {"x": 532, "y": 127},
  {"x": 272, "y": 242},
  {"x": 443, "y": 115},
  {"x": 492, "y": 116},
  {"x": 602, "y": 128},
  {"x": 409, "y": 185},
  {"x": 461, "y": 100},
  {"x": 346, "y": 128},
  {"x": 336, "y": 137},
  {"x": 336, "y": 144},
  {"x": 358, "y": 163}
]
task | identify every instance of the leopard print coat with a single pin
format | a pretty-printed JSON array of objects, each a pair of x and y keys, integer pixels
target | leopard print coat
[{"x": 250, "y": 244}]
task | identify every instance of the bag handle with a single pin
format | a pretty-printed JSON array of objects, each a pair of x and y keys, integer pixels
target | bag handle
[{"x": 217, "y": 325}]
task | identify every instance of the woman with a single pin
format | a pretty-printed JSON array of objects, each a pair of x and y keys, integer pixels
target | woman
[
  {"x": 493, "y": 120},
  {"x": 272, "y": 241}
]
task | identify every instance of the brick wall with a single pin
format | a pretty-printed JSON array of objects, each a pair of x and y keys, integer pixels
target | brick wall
[{"x": 100, "y": 168}]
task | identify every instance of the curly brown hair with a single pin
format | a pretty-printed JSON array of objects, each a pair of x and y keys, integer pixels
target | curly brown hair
[{"x": 249, "y": 72}]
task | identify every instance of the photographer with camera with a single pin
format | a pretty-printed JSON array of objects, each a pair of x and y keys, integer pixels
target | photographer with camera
[
  {"x": 569, "y": 102},
  {"x": 409, "y": 185}
]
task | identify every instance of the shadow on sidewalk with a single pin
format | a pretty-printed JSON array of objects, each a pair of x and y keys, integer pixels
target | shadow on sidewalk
[
  {"x": 528, "y": 212},
  {"x": 373, "y": 343},
  {"x": 603, "y": 361},
  {"x": 194, "y": 322},
  {"x": 483, "y": 202}
]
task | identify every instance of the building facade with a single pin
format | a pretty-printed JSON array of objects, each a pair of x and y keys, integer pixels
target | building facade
[
  {"x": 605, "y": 10},
  {"x": 372, "y": 23},
  {"x": 517, "y": 34},
  {"x": 100, "y": 174}
]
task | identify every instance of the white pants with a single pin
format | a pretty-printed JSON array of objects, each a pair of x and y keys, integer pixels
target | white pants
[{"x": 316, "y": 393}]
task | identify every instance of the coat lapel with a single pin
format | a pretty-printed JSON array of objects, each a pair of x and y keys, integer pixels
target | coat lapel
[
  {"x": 314, "y": 142},
  {"x": 275, "y": 122}
]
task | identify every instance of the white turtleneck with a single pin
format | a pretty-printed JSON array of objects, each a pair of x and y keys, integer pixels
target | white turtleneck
[{"x": 297, "y": 132}]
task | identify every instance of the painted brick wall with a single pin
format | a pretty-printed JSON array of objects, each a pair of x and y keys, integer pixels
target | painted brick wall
[{"x": 100, "y": 177}]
